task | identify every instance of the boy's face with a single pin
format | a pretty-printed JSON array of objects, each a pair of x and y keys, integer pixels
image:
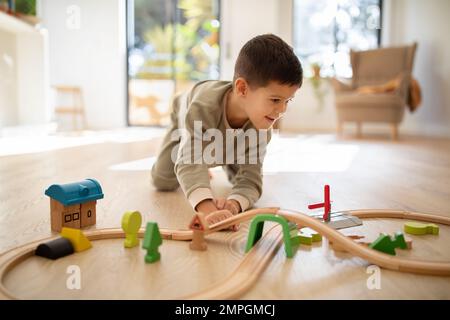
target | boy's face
[{"x": 265, "y": 105}]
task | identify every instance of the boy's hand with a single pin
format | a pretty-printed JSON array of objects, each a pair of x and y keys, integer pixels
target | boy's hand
[
  {"x": 218, "y": 210},
  {"x": 206, "y": 206},
  {"x": 213, "y": 214},
  {"x": 232, "y": 205}
]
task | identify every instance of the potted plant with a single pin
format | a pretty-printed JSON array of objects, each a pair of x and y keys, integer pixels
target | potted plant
[
  {"x": 317, "y": 84},
  {"x": 26, "y": 11}
]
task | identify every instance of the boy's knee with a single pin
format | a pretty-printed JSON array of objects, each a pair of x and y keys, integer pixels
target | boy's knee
[{"x": 164, "y": 183}]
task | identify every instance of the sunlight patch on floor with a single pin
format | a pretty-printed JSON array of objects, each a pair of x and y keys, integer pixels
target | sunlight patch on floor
[
  {"x": 137, "y": 165},
  {"x": 317, "y": 153},
  {"x": 34, "y": 143}
]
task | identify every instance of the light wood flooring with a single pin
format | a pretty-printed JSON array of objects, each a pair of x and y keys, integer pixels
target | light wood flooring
[{"x": 409, "y": 174}]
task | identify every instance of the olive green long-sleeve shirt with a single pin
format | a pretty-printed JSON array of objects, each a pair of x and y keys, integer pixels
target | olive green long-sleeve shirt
[{"x": 207, "y": 140}]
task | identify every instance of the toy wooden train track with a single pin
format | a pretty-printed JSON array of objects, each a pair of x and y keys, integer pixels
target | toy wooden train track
[{"x": 256, "y": 260}]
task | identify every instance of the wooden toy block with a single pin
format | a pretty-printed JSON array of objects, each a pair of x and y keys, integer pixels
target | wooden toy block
[
  {"x": 152, "y": 240},
  {"x": 55, "y": 249},
  {"x": 254, "y": 234},
  {"x": 399, "y": 241},
  {"x": 417, "y": 228},
  {"x": 386, "y": 244},
  {"x": 295, "y": 241},
  {"x": 198, "y": 242},
  {"x": 88, "y": 214},
  {"x": 293, "y": 234},
  {"x": 131, "y": 223},
  {"x": 64, "y": 216},
  {"x": 77, "y": 238},
  {"x": 198, "y": 222},
  {"x": 326, "y": 204},
  {"x": 355, "y": 237},
  {"x": 337, "y": 247},
  {"x": 302, "y": 239},
  {"x": 408, "y": 243},
  {"x": 73, "y": 205},
  {"x": 293, "y": 229},
  {"x": 339, "y": 219},
  {"x": 195, "y": 224},
  {"x": 257, "y": 226},
  {"x": 307, "y": 236},
  {"x": 316, "y": 237}
]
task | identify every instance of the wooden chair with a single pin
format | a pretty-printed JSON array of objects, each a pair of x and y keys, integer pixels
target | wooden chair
[{"x": 76, "y": 109}]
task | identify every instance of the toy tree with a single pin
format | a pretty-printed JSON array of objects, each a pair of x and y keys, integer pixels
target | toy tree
[
  {"x": 152, "y": 240},
  {"x": 387, "y": 244}
]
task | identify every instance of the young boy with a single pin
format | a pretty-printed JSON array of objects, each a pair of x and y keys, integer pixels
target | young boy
[{"x": 267, "y": 75}]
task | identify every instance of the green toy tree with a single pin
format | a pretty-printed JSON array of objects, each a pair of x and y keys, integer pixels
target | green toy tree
[
  {"x": 152, "y": 240},
  {"x": 387, "y": 244}
]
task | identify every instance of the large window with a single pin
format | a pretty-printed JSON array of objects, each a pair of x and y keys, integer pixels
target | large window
[
  {"x": 171, "y": 45},
  {"x": 326, "y": 30}
]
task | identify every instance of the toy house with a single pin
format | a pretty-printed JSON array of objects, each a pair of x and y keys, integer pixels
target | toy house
[{"x": 73, "y": 205}]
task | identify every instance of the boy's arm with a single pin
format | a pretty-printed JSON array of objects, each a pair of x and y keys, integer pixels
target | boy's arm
[
  {"x": 191, "y": 172},
  {"x": 247, "y": 187}
]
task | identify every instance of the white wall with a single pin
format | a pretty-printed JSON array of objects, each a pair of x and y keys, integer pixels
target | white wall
[
  {"x": 428, "y": 23},
  {"x": 92, "y": 56},
  {"x": 8, "y": 75},
  {"x": 23, "y": 74},
  {"x": 33, "y": 78}
]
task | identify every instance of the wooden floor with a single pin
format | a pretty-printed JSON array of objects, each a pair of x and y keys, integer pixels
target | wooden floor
[{"x": 410, "y": 174}]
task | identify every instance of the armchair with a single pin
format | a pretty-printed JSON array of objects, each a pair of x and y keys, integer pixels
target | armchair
[{"x": 378, "y": 90}]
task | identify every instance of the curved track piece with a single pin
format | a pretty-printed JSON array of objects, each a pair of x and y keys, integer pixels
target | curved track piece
[{"x": 248, "y": 271}]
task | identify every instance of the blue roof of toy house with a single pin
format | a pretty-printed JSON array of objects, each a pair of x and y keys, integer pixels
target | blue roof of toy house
[{"x": 77, "y": 192}]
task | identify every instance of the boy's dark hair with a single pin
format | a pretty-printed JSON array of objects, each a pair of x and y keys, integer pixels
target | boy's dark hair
[{"x": 268, "y": 58}]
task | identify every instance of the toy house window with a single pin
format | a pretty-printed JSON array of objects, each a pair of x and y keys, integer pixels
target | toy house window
[
  {"x": 89, "y": 213},
  {"x": 71, "y": 217}
]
